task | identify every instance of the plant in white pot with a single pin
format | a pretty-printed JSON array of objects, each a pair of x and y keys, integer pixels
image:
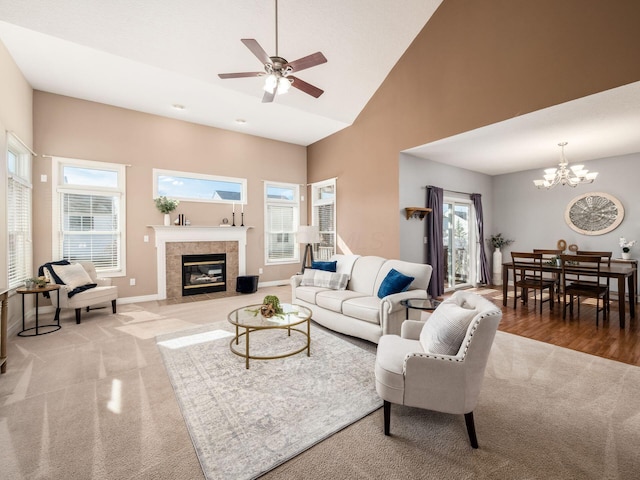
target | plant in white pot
[
  {"x": 166, "y": 206},
  {"x": 626, "y": 247},
  {"x": 497, "y": 242}
]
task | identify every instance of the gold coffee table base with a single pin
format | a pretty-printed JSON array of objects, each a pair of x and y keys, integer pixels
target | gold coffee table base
[
  {"x": 246, "y": 355},
  {"x": 248, "y": 320}
]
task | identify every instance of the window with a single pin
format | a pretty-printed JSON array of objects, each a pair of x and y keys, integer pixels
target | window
[
  {"x": 323, "y": 214},
  {"x": 196, "y": 187},
  {"x": 282, "y": 217},
  {"x": 89, "y": 214},
  {"x": 19, "y": 213}
]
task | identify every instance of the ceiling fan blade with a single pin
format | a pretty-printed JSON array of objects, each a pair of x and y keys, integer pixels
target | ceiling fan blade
[
  {"x": 240, "y": 74},
  {"x": 306, "y": 87},
  {"x": 307, "y": 62},
  {"x": 257, "y": 50},
  {"x": 268, "y": 97}
]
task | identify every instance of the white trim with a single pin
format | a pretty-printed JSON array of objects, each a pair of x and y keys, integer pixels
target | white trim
[{"x": 170, "y": 234}]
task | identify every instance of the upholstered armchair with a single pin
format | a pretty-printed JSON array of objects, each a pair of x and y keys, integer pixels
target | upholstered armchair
[
  {"x": 439, "y": 364},
  {"x": 81, "y": 286}
]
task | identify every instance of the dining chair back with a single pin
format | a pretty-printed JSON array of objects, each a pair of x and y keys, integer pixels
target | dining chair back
[
  {"x": 605, "y": 259},
  {"x": 581, "y": 277},
  {"x": 527, "y": 269},
  {"x": 551, "y": 256}
]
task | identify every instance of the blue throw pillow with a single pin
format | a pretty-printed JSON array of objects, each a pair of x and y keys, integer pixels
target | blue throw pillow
[
  {"x": 394, "y": 282},
  {"x": 326, "y": 266}
]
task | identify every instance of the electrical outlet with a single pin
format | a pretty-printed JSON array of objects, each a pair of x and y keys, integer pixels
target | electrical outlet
[
  {"x": 146, "y": 238},
  {"x": 132, "y": 282},
  {"x": 260, "y": 271},
  {"x": 43, "y": 178}
]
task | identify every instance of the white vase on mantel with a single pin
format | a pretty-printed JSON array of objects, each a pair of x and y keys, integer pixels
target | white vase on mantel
[
  {"x": 626, "y": 255},
  {"x": 167, "y": 219},
  {"x": 497, "y": 267}
]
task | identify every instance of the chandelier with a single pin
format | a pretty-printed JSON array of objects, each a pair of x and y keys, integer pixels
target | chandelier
[{"x": 565, "y": 175}]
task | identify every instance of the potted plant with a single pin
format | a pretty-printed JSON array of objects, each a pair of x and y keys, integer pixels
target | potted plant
[
  {"x": 166, "y": 206},
  {"x": 626, "y": 247},
  {"x": 497, "y": 242}
]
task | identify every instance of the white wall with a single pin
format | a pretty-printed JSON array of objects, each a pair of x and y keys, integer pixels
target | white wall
[
  {"x": 535, "y": 218},
  {"x": 415, "y": 175}
]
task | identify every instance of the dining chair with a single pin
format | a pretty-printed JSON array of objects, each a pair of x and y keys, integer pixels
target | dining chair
[
  {"x": 551, "y": 256},
  {"x": 527, "y": 273},
  {"x": 581, "y": 277},
  {"x": 605, "y": 259}
]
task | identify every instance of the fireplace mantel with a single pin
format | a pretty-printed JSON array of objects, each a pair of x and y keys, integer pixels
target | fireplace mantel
[{"x": 196, "y": 233}]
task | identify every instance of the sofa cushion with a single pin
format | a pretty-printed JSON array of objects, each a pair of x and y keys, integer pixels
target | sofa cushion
[
  {"x": 320, "y": 278},
  {"x": 364, "y": 274},
  {"x": 333, "y": 299},
  {"x": 363, "y": 308},
  {"x": 446, "y": 327},
  {"x": 326, "y": 266},
  {"x": 73, "y": 275},
  {"x": 421, "y": 273},
  {"x": 394, "y": 282},
  {"x": 344, "y": 263},
  {"x": 308, "y": 294}
]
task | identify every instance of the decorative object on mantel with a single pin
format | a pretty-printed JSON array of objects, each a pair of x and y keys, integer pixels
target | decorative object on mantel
[
  {"x": 225, "y": 222},
  {"x": 416, "y": 212},
  {"x": 565, "y": 175},
  {"x": 626, "y": 248},
  {"x": 166, "y": 206},
  {"x": 497, "y": 242},
  {"x": 594, "y": 213}
]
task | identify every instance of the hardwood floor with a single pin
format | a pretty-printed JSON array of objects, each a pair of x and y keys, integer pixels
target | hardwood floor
[{"x": 606, "y": 340}]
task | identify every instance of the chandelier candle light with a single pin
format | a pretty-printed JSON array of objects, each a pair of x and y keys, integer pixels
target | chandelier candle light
[{"x": 565, "y": 175}]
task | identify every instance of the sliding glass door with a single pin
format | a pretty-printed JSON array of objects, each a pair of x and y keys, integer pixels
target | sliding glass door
[{"x": 459, "y": 243}]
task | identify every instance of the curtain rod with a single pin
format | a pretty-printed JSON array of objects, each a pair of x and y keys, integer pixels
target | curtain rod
[
  {"x": 46, "y": 155},
  {"x": 450, "y": 191},
  {"x": 13, "y": 134}
]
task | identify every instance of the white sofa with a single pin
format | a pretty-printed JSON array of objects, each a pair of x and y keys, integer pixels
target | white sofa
[{"x": 357, "y": 310}]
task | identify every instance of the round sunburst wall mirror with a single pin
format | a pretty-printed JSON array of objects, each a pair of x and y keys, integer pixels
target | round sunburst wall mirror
[{"x": 594, "y": 213}]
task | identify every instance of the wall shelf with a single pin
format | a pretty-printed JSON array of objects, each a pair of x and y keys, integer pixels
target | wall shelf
[{"x": 418, "y": 212}]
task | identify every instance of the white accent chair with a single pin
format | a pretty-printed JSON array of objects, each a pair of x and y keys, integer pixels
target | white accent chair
[
  {"x": 104, "y": 292},
  {"x": 409, "y": 371}
]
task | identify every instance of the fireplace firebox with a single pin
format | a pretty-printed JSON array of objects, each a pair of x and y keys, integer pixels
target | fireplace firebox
[{"x": 205, "y": 273}]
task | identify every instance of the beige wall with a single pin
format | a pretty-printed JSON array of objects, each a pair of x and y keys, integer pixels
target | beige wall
[
  {"x": 473, "y": 64},
  {"x": 74, "y": 128},
  {"x": 15, "y": 116}
]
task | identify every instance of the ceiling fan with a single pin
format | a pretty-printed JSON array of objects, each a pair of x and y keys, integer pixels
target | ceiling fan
[{"x": 278, "y": 72}]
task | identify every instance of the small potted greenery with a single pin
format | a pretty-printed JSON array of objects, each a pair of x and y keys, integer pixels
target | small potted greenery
[
  {"x": 166, "y": 206},
  {"x": 498, "y": 241}
]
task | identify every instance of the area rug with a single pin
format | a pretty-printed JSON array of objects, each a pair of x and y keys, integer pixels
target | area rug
[{"x": 244, "y": 423}]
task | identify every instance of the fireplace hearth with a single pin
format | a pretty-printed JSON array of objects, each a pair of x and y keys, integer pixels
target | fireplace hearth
[{"x": 204, "y": 273}]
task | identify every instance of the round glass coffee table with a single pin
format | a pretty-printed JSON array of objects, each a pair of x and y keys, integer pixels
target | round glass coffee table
[
  {"x": 422, "y": 304},
  {"x": 250, "y": 320}
]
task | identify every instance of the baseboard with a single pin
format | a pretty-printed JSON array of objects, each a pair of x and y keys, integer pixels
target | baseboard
[{"x": 274, "y": 283}]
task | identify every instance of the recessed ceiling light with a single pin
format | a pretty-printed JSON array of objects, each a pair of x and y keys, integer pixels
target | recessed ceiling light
[
  {"x": 177, "y": 106},
  {"x": 240, "y": 121}
]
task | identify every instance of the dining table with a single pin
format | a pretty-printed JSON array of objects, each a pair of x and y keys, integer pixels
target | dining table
[{"x": 618, "y": 271}]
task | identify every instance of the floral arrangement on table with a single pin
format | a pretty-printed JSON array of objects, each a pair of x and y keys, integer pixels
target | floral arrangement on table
[
  {"x": 38, "y": 282},
  {"x": 166, "y": 205},
  {"x": 626, "y": 245},
  {"x": 270, "y": 307},
  {"x": 498, "y": 241}
]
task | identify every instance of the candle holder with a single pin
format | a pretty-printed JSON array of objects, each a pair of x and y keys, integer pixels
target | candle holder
[
  {"x": 242, "y": 219},
  {"x": 233, "y": 219}
]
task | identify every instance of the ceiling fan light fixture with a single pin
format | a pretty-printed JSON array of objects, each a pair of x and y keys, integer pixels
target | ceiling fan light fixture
[
  {"x": 270, "y": 83},
  {"x": 284, "y": 84}
]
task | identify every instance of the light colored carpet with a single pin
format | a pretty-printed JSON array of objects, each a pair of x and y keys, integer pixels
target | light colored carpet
[
  {"x": 245, "y": 422},
  {"x": 94, "y": 401}
]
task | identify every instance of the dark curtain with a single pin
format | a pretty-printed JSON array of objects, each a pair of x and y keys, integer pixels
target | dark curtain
[
  {"x": 435, "y": 249},
  {"x": 485, "y": 274}
]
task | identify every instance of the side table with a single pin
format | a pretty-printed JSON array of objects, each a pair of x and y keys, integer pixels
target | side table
[
  {"x": 37, "y": 291},
  {"x": 422, "y": 304}
]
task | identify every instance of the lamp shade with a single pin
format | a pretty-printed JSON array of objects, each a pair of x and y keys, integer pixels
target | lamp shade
[{"x": 308, "y": 234}]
